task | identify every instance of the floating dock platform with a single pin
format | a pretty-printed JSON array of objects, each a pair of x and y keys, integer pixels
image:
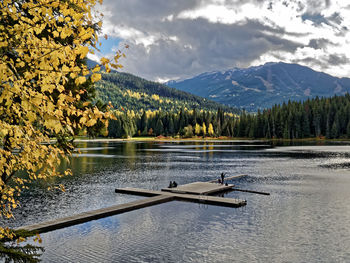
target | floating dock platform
[
  {"x": 204, "y": 199},
  {"x": 197, "y": 192}
]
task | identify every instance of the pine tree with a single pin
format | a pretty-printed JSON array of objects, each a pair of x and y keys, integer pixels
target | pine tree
[
  {"x": 143, "y": 122},
  {"x": 171, "y": 128},
  {"x": 335, "y": 128},
  {"x": 305, "y": 125},
  {"x": 348, "y": 130},
  {"x": 159, "y": 128}
]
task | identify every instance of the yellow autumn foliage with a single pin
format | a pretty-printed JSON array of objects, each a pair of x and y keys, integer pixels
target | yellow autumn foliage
[{"x": 42, "y": 43}]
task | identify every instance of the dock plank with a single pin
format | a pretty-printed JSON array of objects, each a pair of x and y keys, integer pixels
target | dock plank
[
  {"x": 206, "y": 199},
  {"x": 199, "y": 188},
  {"x": 96, "y": 214},
  {"x": 228, "y": 178}
]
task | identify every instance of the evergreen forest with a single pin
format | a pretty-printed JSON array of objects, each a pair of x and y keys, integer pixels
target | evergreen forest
[{"x": 319, "y": 117}]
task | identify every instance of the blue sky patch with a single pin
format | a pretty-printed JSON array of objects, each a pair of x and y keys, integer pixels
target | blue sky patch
[{"x": 109, "y": 44}]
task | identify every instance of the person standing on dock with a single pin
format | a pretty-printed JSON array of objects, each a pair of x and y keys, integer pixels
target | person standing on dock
[{"x": 222, "y": 178}]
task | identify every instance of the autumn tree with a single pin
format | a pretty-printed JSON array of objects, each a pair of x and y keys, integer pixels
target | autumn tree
[
  {"x": 197, "y": 129},
  {"x": 204, "y": 129},
  {"x": 211, "y": 130},
  {"x": 44, "y": 89},
  {"x": 188, "y": 131}
]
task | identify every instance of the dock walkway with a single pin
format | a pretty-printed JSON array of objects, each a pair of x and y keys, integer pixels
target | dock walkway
[
  {"x": 95, "y": 214},
  {"x": 197, "y": 192}
]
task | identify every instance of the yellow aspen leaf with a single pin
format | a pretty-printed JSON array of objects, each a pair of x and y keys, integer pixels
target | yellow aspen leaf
[
  {"x": 62, "y": 187},
  {"x": 83, "y": 120},
  {"x": 55, "y": 4},
  {"x": 91, "y": 122},
  {"x": 96, "y": 68},
  {"x": 65, "y": 68},
  {"x": 31, "y": 116},
  {"x": 95, "y": 77},
  {"x": 80, "y": 80},
  {"x": 21, "y": 239},
  {"x": 104, "y": 61},
  {"x": 73, "y": 75},
  {"x": 83, "y": 50}
]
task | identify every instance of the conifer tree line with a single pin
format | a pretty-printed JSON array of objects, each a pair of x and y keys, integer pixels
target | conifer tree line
[
  {"x": 318, "y": 117},
  {"x": 184, "y": 123}
]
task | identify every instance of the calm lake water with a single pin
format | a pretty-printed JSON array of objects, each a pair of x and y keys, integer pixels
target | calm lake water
[{"x": 305, "y": 219}]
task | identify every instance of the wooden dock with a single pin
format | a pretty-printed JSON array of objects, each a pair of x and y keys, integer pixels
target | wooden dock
[
  {"x": 197, "y": 192},
  {"x": 95, "y": 214}
]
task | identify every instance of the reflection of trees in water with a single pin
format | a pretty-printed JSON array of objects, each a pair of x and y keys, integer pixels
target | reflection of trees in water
[
  {"x": 12, "y": 252},
  {"x": 129, "y": 150},
  {"x": 12, "y": 249}
]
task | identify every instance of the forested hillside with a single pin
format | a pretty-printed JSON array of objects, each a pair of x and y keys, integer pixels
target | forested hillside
[
  {"x": 319, "y": 117},
  {"x": 146, "y": 108},
  {"x": 128, "y": 92}
]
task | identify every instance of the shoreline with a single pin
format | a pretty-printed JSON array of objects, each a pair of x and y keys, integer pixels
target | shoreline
[{"x": 206, "y": 139}]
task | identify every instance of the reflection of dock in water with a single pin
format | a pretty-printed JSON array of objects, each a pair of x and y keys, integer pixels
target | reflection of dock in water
[{"x": 198, "y": 192}]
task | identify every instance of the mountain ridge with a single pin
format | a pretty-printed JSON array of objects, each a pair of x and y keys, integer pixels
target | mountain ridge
[
  {"x": 131, "y": 92},
  {"x": 263, "y": 86}
]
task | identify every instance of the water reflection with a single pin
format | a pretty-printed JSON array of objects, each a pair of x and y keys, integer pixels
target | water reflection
[{"x": 304, "y": 219}]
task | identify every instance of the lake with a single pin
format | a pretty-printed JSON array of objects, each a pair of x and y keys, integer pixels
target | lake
[{"x": 305, "y": 219}]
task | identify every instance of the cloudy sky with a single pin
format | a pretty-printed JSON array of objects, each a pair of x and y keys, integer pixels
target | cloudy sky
[{"x": 176, "y": 39}]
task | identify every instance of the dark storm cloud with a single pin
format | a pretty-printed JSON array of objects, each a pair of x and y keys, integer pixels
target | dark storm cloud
[
  {"x": 320, "y": 43},
  {"x": 337, "y": 59},
  {"x": 324, "y": 62},
  {"x": 182, "y": 47},
  {"x": 310, "y": 61},
  {"x": 132, "y": 12},
  {"x": 204, "y": 46},
  {"x": 317, "y": 5},
  {"x": 336, "y": 18}
]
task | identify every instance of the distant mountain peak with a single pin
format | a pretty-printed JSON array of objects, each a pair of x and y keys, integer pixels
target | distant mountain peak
[{"x": 264, "y": 85}]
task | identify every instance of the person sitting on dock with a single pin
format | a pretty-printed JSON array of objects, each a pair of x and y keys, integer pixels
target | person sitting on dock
[{"x": 170, "y": 184}]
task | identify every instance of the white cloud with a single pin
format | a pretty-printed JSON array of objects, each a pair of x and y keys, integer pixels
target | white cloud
[
  {"x": 94, "y": 57},
  {"x": 177, "y": 39}
]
